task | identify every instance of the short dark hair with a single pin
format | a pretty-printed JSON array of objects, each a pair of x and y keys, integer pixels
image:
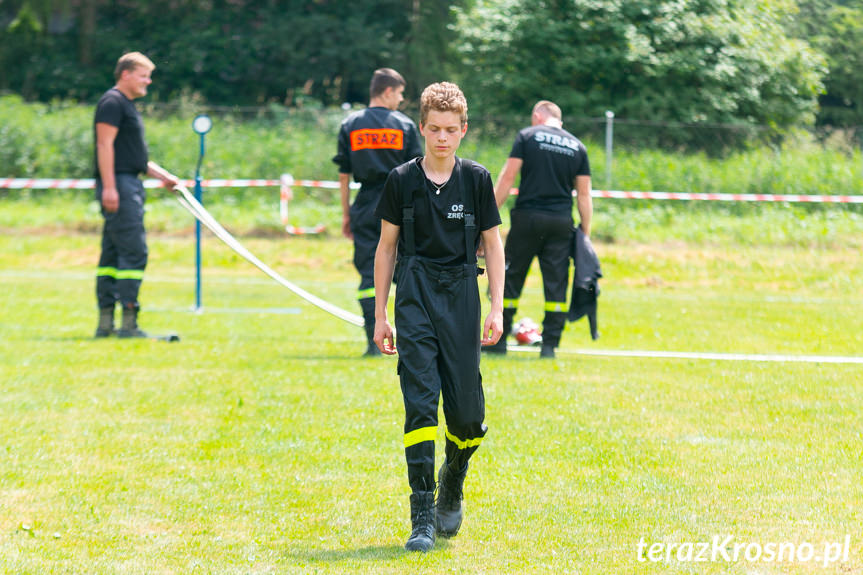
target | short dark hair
[{"x": 384, "y": 78}]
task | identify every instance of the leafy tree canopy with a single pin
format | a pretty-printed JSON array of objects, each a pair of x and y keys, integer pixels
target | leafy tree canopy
[{"x": 679, "y": 60}]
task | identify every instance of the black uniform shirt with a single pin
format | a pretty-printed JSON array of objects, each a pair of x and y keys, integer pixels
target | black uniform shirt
[
  {"x": 552, "y": 159},
  {"x": 130, "y": 149},
  {"x": 374, "y": 141},
  {"x": 439, "y": 219}
]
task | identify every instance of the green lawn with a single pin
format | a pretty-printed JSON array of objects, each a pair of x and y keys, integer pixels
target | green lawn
[{"x": 262, "y": 443}]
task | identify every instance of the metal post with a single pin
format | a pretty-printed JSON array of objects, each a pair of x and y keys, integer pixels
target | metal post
[
  {"x": 198, "y": 230},
  {"x": 201, "y": 125},
  {"x": 609, "y": 147}
]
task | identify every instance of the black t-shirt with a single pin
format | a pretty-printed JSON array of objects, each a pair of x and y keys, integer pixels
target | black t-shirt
[
  {"x": 439, "y": 218},
  {"x": 130, "y": 149},
  {"x": 552, "y": 159},
  {"x": 374, "y": 141}
]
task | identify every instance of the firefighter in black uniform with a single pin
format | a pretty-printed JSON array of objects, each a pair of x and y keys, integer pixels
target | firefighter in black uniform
[
  {"x": 551, "y": 162},
  {"x": 371, "y": 143},
  {"x": 435, "y": 210},
  {"x": 121, "y": 155}
]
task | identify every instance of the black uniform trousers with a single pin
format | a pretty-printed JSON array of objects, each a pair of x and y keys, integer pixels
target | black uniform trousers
[
  {"x": 438, "y": 339},
  {"x": 366, "y": 229},
  {"x": 547, "y": 235},
  {"x": 124, "y": 245}
]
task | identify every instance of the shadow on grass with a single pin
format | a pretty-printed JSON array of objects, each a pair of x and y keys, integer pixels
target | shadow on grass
[{"x": 370, "y": 553}]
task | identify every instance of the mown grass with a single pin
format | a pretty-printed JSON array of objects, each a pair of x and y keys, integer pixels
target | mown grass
[{"x": 261, "y": 443}]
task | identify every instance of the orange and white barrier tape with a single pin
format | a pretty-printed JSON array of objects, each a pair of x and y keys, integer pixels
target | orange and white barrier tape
[
  {"x": 90, "y": 183},
  {"x": 62, "y": 184},
  {"x": 286, "y": 193},
  {"x": 792, "y": 198}
]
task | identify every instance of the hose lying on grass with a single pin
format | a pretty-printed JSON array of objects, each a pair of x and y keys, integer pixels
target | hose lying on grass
[{"x": 188, "y": 201}]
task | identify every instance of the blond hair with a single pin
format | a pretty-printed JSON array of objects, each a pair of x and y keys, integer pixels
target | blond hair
[
  {"x": 547, "y": 108},
  {"x": 443, "y": 97},
  {"x": 130, "y": 61}
]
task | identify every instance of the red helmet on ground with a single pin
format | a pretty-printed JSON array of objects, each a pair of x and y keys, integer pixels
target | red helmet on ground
[{"x": 526, "y": 332}]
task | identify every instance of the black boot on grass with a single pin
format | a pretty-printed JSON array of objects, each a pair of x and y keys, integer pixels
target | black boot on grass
[
  {"x": 449, "y": 511},
  {"x": 106, "y": 322},
  {"x": 368, "y": 307},
  {"x": 422, "y": 521},
  {"x": 129, "y": 328}
]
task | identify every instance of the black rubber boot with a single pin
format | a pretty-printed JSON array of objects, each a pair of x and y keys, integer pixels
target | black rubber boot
[
  {"x": 422, "y": 521},
  {"x": 106, "y": 322},
  {"x": 368, "y": 307},
  {"x": 129, "y": 328},
  {"x": 449, "y": 511},
  {"x": 547, "y": 352}
]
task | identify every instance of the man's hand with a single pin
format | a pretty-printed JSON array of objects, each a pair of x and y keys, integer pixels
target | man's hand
[
  {"x": 110, "y": 200},
  {"x": 169, "y": 181},
  {"x": 493, "y": 328},
  {"x": 346, "y": 227},
  {"x": 384, "y": 338}
]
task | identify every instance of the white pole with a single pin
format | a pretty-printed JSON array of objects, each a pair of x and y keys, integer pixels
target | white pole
[{"x": 609, "y": 146}]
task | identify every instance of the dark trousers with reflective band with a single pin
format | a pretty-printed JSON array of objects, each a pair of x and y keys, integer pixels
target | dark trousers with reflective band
[
  {"x": 548, "y": 236},
  {"x": 366, "y": 228},
  {"x": 124, "y": 246},
  {"x": 437, "y": 315}
]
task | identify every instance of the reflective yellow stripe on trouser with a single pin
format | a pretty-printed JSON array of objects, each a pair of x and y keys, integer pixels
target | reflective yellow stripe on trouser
[
  {"x": 120, "y": 274},
  {"x": 559, "y": 306},
  {"x": 366, "y": 293},
  {"x": 463, "y": 444},
  {"x": 420, "y": 435},
  {"x": 510, "y": 303}
]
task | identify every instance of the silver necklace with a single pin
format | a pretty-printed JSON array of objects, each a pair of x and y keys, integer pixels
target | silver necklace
[{"x": 437, "y": 188}]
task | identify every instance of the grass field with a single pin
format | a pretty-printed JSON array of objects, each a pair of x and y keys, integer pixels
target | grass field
[{"x": 262, "y": 443}]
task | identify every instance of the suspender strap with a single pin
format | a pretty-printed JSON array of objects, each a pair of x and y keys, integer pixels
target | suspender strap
[
  {"x": 467, "y": 181},
  {"x": 469, "y": 216},
  {"x": 408, "y": 220}
]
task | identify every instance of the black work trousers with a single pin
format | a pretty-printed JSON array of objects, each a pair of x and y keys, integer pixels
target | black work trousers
[
  {"x": 437, "y": 316},
  {"x": 366, "y": 228},
  {"x": 124, "y": 245},
  {"x": 548, "y": 236}
]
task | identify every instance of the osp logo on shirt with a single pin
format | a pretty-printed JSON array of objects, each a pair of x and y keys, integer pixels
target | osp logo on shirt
[{"x": 377, "y": 139}]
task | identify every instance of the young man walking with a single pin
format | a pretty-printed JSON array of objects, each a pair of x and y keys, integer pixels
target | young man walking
[
  {"x": 371, "y": 143},
  {"x": 551, "y": 161},
  {"x": 121, "y": 155},
  {"x": 434, "y": 210}
]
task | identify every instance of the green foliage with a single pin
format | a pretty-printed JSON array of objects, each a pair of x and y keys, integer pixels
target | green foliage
[
  {"x": 836, "y": 28},
  {"x": 696, "y": 62},
  {"x": 228, "y": 52},
  {"x": 693, "y": 62},
  {"x": 51, "y": 141},
  {"x": 45, "y": 139}
]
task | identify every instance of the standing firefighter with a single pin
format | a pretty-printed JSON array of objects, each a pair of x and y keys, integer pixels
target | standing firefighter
[
  {"x": 121, "y": 155},
  {"x": 551, "y": 162},
  {"x": 371, "y": 143},
  {"x": 435, "y": 210}
]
